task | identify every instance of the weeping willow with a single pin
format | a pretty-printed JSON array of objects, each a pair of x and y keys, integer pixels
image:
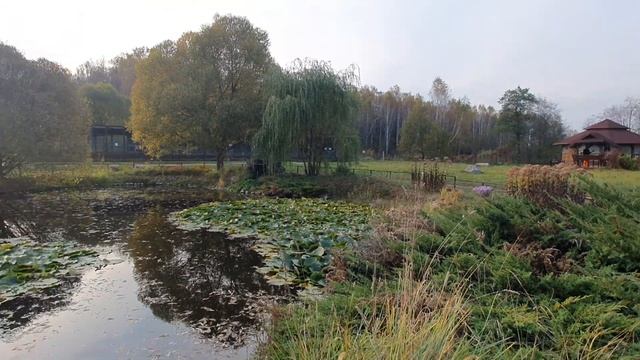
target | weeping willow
[{"x": 311, "y": 109}]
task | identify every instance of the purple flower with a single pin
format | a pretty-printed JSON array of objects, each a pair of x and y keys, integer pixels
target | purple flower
[{"x": 483, "y": 190}]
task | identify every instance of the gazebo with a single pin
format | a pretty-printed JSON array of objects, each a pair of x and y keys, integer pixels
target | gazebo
[{"x": 591, "y": 147}]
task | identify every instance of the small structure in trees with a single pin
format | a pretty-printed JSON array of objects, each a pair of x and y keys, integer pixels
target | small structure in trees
[{"x": 593, "y": 146}]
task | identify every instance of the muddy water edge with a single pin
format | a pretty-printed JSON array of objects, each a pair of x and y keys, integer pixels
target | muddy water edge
[{"x": 156, "y": 291}]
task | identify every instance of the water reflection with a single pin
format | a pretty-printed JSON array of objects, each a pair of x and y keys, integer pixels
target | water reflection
[{"x": 199, "y": 277}]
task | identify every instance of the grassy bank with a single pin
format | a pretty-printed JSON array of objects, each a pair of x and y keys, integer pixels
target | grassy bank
[
  {"x": 499, "y": 277},
  {"x": 93, "y": 175}
]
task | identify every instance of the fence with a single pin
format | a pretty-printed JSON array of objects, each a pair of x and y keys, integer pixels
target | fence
[{"x": 405, "y": 177}]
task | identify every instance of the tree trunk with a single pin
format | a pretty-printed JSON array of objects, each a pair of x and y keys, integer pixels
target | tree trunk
[{"x": 220, "y": 155}]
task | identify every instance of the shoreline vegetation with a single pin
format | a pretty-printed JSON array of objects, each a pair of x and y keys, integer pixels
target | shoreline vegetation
[{"x": 514, "y": 275}]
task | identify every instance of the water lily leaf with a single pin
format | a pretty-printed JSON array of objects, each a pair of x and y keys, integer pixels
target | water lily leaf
[
  {"x": 28, "y": 266},
  {"x": 294, "y": 236},
  {"x": 313, "y": 264},
  {"x": 274, "y": 280},
  {"x": 319, "y": 251}
]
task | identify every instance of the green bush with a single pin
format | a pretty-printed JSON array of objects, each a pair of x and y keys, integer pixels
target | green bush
[
  {"x": 342, "y": 170},
  {"x": 561, "y": 282},
  {"x": 628, "y": 163}
]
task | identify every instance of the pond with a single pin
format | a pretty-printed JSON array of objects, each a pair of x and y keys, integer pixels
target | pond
[{"x": 158, "y": 292}]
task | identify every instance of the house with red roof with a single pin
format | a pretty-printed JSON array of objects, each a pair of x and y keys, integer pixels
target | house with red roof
[{"x": 592, "y": 146}]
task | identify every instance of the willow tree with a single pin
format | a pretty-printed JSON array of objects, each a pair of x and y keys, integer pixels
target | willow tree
[{"x": 311, "y": 109}]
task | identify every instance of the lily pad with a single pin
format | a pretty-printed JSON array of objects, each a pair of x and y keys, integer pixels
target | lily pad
[
  {"x": 27, "y": 266},
  {"x": 295, "y": 236}
]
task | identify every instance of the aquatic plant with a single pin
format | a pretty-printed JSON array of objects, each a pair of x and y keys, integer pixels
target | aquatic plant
[
  {"x": 27, "y": 266},
  {"x": 295, "y": 237}
]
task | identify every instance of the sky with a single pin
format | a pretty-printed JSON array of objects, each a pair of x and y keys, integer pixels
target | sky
[{"x": 583, "y": 55}]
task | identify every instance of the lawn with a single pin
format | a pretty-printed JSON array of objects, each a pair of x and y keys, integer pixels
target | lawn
[{"x": 497, "y": 174}]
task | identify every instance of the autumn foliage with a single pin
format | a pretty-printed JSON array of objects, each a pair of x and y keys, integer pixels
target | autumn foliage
[{"x": 544, "y": 185}]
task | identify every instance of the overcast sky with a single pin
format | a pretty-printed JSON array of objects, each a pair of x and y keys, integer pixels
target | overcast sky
[{"x": 582, "y": 54}]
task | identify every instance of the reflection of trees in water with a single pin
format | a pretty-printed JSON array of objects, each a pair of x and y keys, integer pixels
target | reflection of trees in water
[
  {"x": 88, "y": 217},
  {"x": 50, "y": 216},
  {"x": 12, "y": 224},
  {"x": 41, "y": 217},
  {"x": 200, "y": 277},
  {"x": 19, "y": 312}
]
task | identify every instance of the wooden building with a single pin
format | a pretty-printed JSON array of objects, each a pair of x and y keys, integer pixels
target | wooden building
[
  {"x": 114, "y": 143},
  {"x": 591, "y": 147},
  {"x": 110, "y": 143}
]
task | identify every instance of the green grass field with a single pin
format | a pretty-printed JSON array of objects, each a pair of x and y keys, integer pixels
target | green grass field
[{"x": 497, "y": 174}]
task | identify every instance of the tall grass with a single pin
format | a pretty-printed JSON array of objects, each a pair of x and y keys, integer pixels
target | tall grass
[
  {"x": 409, "y": 319},
  {"x": 403, "y": 316}
]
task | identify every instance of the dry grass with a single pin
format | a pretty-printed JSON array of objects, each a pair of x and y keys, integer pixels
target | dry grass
[{"x": 411, "y": 320}]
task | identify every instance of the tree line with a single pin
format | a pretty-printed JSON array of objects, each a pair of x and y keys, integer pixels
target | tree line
[
  {"x": 42, "y": 118},
  {"x": 219, "y": 86}
]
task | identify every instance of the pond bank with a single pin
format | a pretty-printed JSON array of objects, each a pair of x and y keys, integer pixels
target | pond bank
[{"x": 95, "y": 176}]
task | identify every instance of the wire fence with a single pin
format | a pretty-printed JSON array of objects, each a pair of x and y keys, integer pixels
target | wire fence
[{"x": 405, "y": 177}]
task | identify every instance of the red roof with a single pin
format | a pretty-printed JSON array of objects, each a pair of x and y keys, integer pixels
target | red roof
[
  {"x": 606, "y": 131},
  {"x": 606, "y": 124}
]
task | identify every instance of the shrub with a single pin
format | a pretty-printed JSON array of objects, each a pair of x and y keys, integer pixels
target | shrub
[
  {"x": 342, "y": 170},
  {"x": 8, "y": 163},
  {"x": 430, "y": 177},
  {"x": 544, "y": 185},
  {"x": 613, "y": 159},
  {"x": 448, "y": 197},
  {"x": 628, "y": 163}
]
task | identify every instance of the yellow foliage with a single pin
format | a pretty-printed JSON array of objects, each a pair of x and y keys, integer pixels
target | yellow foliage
[
  {"x": 448, "y": 197},
  {"x": 544, "y": 184}
]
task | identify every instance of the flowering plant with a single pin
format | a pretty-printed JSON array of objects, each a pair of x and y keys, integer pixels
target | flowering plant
[{"x": 483, "y": 190}]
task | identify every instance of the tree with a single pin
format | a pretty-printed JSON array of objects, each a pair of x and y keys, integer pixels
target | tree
[
  {"x": 92, "y": 72},
  {"x": 311, "y": 108},
  {"x": 627, "y": 113},
  {"x": 122, "y": 73},
  {"x": 105, "y": 104},
  {"x": 381, "y": 118},
  {"x": 420, "y": 134},
  {"x": 42, "y": 118},
  {"x": 205, "y": 90},
  {"x": 440, "y": 98},
  {"x": 157, "y": 120},
  {"x": 517, "y": 111},
  {"x": 546, "y": 128}
]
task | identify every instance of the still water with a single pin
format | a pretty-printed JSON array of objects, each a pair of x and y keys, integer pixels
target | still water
[{"x": 161, "y": 292}]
